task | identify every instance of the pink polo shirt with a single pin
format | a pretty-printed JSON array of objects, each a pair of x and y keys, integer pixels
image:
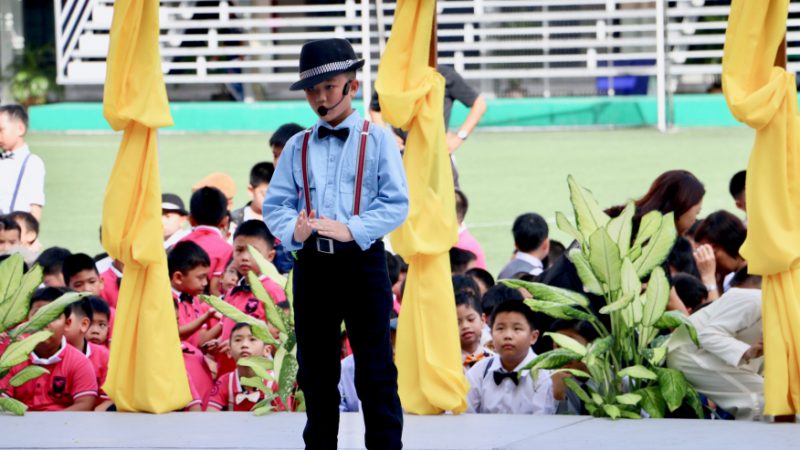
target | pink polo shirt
[
  {"x": 246, "y": 302},
  {"x": 111, "y": 280},
  {"x": 229, "y": 395},
  {"x": 98, "y": 356},
  {"x": 198, "y": 371},
  {"x": 189, "y": 311},
  {"x": 70, "y": 377},
  {"x": 219, "y": 250},
  {"x": 468, "y": 242}
]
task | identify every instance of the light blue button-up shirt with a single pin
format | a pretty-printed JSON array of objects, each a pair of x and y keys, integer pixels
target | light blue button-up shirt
[{"x": 332, "y": 166}]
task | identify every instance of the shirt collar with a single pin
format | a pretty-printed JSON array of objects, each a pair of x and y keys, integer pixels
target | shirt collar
[
  {"x": 352, "y": 120},
  {"x": 56, "y": 358},
  {"x": 88, "y": 346},
  {"x": 532, "y": 260},
  {"x": 237, "y": 384},
  {"x": 206, "y": 227},
  {"x": 19, "y": 153},
  {"x": 497, "y": 365},
  {"x": 115, "y": 271}
]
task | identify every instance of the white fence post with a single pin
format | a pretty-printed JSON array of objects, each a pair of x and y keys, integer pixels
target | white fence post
[
  {"x": 661, "y": 65},
  {"x": 366, "y": 49}
]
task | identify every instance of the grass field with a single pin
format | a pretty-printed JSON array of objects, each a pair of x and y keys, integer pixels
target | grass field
[{"x": 504, "y": 174}]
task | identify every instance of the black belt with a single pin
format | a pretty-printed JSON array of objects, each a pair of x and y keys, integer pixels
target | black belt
[{"x": 328, "y": 246}]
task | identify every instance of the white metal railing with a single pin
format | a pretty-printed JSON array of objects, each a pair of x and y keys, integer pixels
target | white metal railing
[{"x": 548, "y": 47}]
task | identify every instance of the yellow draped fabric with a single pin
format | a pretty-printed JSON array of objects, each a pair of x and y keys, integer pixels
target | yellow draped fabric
[
  {"x": 146, "y": 371},
  {"x": 431, "y": 379},
  {"x": 764, "y": 97}
]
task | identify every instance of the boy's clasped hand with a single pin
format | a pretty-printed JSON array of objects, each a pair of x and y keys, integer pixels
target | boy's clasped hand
[{"x": 329, "y": 228}]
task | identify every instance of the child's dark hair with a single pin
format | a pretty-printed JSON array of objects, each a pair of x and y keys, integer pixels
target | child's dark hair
[
  {"x": 99, "y": 306},
  {"x": 47, "y": 294},
  {"x": 255, "y": 229},
  {"x": 9, "y": 224},
  {"x": 530, "y": 231},
  {"x": 737, "y": 184},
  {"x": 281, "y": 136},
  {"x": 393, "y": 267},
  {"x": 514, "y": 307},
  {"x": 681, "y": 257},
  {"x": 463, "y": 284},
  {"x": 690, "y": 290},
  {"x": 239, "y": 326},
  {"x": 462, "y": 205},
  {"x": 77, "y": 263},
  {"x": 185, "y": 256},
  {"x": 556, "y": 250},
  {"x": 460, "y": 259},
  {"x": 724, "y": 230},
  {"x": 743, "y": 276},
  {"x": 469, "y": 300},
  {"x": 30, "y": 221},
  {"x": 208, "y": 206},
  {"x": 582, "y": 327},
  {"x": 81, "y": 308},
  {"x": 261, "y": 173},
  {"x": 52, "y": 260},
  {"x": 16, "y": 112},
  {"x": 498, "y": 294},
  {"x": 483, "y": 275}
]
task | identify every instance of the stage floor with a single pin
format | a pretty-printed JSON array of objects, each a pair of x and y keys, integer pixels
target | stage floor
[{"x": 283, "y": 431}]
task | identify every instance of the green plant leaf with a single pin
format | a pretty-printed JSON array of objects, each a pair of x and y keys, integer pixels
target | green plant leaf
[
  {"x": 600, "y": 346},
  {"x": 547, "y": 293},
  {"x": 18, "y": 352},
  {"x": 619, "y": 304},
  {"x": 578, "y": 390},
  {"x": 262, "y": 410},
  {"x": 590, "y": 282},
  {"x": 658, "y": 355},
  {"x": 257, "y": 327},
  {"x": 47, "y": 313},
  {"x": 552, "y": 359},
  {"x": 11, "y": 270},
  {"x": 639, "y": 372},
  {"x": 556, "y": 310},
  {"x": 287, "y": 378},
  {"x": 657, "y": 297},
  {"x": 604, "y": 259},
  {"x": 259, "y": 365},
  {"x": 673, "y": 386},
  {"x": 13, "y": 406},
  {"x": 629, "y": 399},
  {"x": 588, "y": 215},
  {"x": 672, "y": 320},
  {"x": 693, "y": 400},
  {"x": 612, "y": 411},
  {"x": 15, "y": 310},
  {"x": 630, "y": 280},
  {"x": 634, "y": 253},
  {"x": 566, "y": 226},
  {"x": 27, "y": 374},
  {"x": 648, "y": 226},
  {"x": 274, "y": 316},
  {"x": 255, "y": 383},
  {"x": 574, "y": 372},
  {"x": 289, "y": 290},
  {"x": 630, "y": 415},
  {"x": 568, "y": 343},
  {"x": 657, "y": 250},
  {"x": 597, "y": 399},
  {"x": 266, "y": 267},
  {"x": 620, "y": 228},
  {"x": 652, "y": 402}
]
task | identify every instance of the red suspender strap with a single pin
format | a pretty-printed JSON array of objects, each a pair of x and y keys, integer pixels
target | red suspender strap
[
  {"x": 304, "y": 155},
  {"x": 360, "y": 168}
]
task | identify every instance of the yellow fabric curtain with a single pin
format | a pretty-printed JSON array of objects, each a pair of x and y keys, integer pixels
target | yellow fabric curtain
[
  {"x": 431, "y": 378},
  {"x": 764, "y": 97},
  {"x": 146, "y": 372}
]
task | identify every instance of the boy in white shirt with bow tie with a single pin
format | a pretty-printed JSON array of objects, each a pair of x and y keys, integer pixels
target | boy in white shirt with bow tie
[{"x": 497, "y": 384}]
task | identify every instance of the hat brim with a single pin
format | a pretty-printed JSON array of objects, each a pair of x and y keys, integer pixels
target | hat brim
[{"x": 317, "y": 79}]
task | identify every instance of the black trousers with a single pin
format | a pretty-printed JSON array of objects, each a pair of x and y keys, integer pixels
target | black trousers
[{"x": 350, "y": 285}]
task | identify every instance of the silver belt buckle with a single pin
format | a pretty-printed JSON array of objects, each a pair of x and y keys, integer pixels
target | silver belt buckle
[{"x": 325, "y": 245}]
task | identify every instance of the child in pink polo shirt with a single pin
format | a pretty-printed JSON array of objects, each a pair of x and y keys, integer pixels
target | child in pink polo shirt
[
  {"x": 208, "y": 209},
  {"x": 188, "y": 271},
  {"x": 112, "y": 278},
  {"x": 228, "y": 394},
  {"x": 465, "y": 239},
  {"x": 78, "y": 320},
  {"x": 70, "y": 384},
  {"x": 81, "y": 275},
  {"x": 98, "y": 332},
  {"x": 250, "y": 233}
]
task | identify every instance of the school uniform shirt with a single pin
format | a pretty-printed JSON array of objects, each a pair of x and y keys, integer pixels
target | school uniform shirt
[
  {"x": 522, "y": 262},
  {"x": 229, "y": 395},
  {"x": 349, "y": 401},
  {"x": 470, "y": 359},
  {"x": 71, "y": 376},
  {"x": 198, "y": 371},
  {"x": 241, "y": 296},
  {"x": 31, "y": 186},
  {"x": 98, "y": 356},
  {"x": 189, "y": 309},
  {"x": 486, "y": 396},
  {"x": 111, "y": 282},
  {"x": 332, "y": 166},
  {"x": 218, "y": 249},
  {"x": 466, "y": 241}
]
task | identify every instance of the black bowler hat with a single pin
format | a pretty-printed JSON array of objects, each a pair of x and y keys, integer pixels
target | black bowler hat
[{"x": 323, "y": 59}]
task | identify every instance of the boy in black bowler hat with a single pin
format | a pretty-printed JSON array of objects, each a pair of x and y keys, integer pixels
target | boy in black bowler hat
[{"x": 338, "y": 189}]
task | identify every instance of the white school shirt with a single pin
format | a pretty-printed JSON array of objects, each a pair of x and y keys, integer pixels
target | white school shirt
[
  {"x": 528, "y": 397},
  {"x": 31, "y": 187}
]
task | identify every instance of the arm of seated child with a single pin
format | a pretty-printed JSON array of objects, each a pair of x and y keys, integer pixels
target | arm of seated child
[
  {"x": 187, "y": 330},
  {"x": 85, "y": 403},
  {"x": 103, "y": 406},
  {"x": 213, "y": 332}
]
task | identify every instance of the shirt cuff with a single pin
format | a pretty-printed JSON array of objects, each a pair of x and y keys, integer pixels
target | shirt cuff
[
  {"x": 290, "y": 244},
  {"x": 736, "y": 353},
  {"x": 359, "y": 232}
]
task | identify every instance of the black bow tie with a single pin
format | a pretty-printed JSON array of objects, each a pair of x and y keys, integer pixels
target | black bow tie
[
  {"x": 324, "y": 132},
  {"x": 499, "y": 375},
  {"x": 184, "y": 297},
  {"x": 10, "y": 155}
]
